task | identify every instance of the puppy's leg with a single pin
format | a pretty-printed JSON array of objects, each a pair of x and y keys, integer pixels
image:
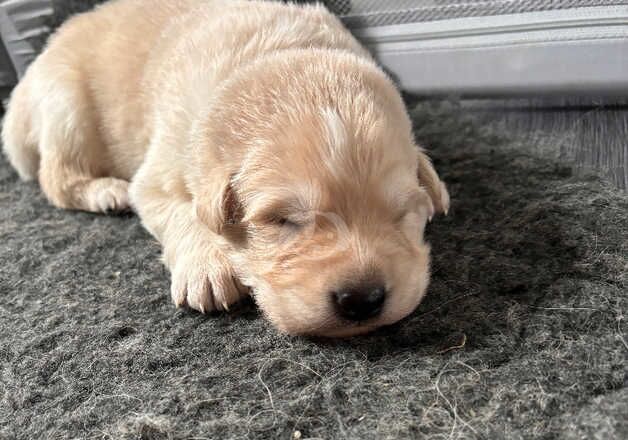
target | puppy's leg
[
  {"x": 73, "y": 166},
  {"x": 69, "y": 186},
  {"x": 202, "y": 276}
]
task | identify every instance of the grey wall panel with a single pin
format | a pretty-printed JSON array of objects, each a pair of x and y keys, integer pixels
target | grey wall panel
[
  {"x": 7, "y": 72},
  {"x": 21, "y": 23},
  {"x": 369, "y": 13}
]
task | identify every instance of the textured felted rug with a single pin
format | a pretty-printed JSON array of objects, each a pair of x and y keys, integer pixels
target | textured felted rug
[{"x": 522, "y": 334}]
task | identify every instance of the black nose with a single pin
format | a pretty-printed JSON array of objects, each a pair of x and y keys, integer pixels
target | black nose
[{"x": 360, "y": 303}]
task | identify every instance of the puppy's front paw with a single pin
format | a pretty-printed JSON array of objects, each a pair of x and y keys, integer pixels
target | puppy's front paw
[{"x": 205, "y": 282}]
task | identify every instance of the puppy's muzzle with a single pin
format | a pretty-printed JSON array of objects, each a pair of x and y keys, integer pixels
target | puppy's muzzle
[{"x": 360, "y": 303}]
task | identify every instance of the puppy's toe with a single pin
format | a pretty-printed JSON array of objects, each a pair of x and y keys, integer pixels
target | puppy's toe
[
  {"x": 179, "y": 290},
  {"x": 199, "y": 294},
  {"x": 191, "y": 287},
  {"x": 226, "y": 290}
]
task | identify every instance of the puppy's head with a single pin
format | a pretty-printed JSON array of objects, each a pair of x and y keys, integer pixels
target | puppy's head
[{"x": 321, "y": 194}]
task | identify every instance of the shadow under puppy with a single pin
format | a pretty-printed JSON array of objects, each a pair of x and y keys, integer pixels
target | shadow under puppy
[{"x": 257, "y": 141}]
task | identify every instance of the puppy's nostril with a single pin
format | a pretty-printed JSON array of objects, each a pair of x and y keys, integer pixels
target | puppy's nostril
[{"x": 358, "y": 304}]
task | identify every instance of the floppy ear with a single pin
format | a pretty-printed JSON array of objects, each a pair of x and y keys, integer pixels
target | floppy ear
[
  {"x": 429, "y": 180},
  {"x": 218, "y": 206}
]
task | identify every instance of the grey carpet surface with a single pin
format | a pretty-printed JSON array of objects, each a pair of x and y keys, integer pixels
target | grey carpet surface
[
  {"x": 590, "y": 133},
  {"x": 522, "y": 334}
]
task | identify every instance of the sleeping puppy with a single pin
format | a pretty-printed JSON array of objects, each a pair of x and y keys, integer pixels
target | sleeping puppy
[{"x": 258, "y": 142}]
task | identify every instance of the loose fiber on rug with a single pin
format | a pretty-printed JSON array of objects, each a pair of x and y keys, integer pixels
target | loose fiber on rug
[{"x": 522, "y": 334}]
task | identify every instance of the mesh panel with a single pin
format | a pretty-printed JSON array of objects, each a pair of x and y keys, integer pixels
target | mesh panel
[{"x": 361, "y": 13}]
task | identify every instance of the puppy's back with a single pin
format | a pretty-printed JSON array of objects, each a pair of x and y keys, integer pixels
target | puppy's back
[{"x": 136, "y": 66}]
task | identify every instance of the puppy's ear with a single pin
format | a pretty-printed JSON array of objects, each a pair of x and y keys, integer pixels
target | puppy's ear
[
  {"x": 218, "y": 206},
  {"x": 435, "y": 188}
]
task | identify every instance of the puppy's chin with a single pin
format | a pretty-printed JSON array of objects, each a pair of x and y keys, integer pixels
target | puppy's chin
[
  {"x": 335, "y": 328},
  {"x": 345, "y": 331},
  {"x": 319, "y": 322}
]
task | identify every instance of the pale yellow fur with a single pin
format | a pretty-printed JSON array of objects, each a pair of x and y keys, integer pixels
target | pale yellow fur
[{"x": 206, "y": 118}]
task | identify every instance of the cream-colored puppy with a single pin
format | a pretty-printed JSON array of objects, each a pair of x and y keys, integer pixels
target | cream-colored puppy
[{"x": 257, "y": 141}]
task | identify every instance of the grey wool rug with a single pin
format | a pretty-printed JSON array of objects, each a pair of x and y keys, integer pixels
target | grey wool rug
[{"x": 522, "y": 334}]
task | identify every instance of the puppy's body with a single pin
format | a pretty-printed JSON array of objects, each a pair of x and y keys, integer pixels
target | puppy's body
[{"x": 230, "y": 126}]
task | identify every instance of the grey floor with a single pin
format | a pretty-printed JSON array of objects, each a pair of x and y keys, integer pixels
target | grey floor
[
  {"x": 522, "y": 334},
  {"x": 586, "y": 133}
]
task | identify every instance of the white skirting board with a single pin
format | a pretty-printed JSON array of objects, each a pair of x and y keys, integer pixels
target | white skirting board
[{"x": 579, "y": 51}]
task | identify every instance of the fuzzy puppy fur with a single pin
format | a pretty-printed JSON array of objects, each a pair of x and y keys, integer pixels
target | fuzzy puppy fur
[{"x": 258, "y": 142}]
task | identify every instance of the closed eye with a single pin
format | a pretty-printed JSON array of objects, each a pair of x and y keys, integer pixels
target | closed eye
[
  {"x": 283, "y": 221},
  {"x": 289, "y": 214},
  {"x": 287, "y": 222}
]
